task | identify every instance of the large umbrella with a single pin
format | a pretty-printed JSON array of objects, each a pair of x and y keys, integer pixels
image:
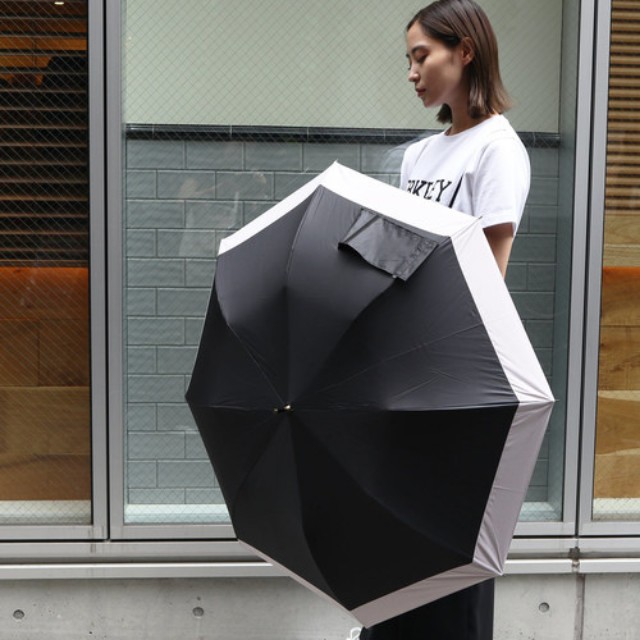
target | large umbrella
[{"x": 368, "y": 396}]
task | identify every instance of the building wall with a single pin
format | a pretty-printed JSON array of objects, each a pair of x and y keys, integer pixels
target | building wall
[
  {"x": 331, "y": 64},
  {"x": 542, "y": 607}
]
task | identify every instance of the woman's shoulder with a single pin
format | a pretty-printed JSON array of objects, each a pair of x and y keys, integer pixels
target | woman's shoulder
[
  {"x": 500, "y": 139},
  {"x": 502, "y": 131},
  {"x": 415, "y": 149}
]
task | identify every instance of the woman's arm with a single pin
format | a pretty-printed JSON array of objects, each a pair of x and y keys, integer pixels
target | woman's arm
[
  {"x": 501, "y": 186},
  {"x": 500, "y": 237}
]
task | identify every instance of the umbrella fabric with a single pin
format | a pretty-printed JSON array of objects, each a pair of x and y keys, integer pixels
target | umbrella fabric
[{"x": 368, "y": 396}]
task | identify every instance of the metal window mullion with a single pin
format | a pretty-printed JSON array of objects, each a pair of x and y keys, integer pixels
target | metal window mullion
[
  {"x": 185, "y": 532},
  {"x": 50, "y": 532},
  {"x": 594, "y": 270},
  {"x": 99, "y": 477},
  {"x": 579, "y": 234},
  {"x": 115, "y": 275},
  {"x": 560, "y": 528},
  {"x": 126, "y": 551},
  {"x": 587, "y": 49}
]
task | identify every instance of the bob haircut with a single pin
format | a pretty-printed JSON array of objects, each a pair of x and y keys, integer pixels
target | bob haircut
[{"x": 450, "y": 22}]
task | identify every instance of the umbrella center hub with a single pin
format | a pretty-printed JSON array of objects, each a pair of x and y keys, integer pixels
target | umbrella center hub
[{"x": 286, "y": 409}]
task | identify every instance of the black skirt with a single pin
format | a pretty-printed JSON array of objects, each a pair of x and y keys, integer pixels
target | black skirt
[{"x": 464, "y": 615}]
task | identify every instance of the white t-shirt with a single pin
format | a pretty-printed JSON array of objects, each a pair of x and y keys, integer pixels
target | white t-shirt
[{"x": 483, "y": 171}]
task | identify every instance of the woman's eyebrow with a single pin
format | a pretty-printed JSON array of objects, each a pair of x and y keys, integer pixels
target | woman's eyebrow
[{"x": 416, "y": 49}]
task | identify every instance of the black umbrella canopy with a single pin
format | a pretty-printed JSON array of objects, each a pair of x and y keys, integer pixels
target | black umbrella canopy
[{"x": 356, "y": 392}]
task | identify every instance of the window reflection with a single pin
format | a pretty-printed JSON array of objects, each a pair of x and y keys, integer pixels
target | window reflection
[{"x": 44, "y": 306}]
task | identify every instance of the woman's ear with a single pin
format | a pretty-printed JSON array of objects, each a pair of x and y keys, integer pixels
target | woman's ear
[{"x": 466, "y": 50}]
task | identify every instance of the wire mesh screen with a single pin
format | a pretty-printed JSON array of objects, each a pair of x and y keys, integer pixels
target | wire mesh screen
[
  {"x": 229, "y": 108},
  {"x": 44, "y": 312}
]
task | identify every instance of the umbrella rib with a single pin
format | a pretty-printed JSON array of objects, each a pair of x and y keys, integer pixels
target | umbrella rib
[
  {"x": 443, "y": 543},
  {"x": 422, "y": 384},
  {"x": 232, "y": 508},
  {"x": 396, "y": 356},
  {"x": 253, "y": 359},
  {"x": 230, "y": 407},
  {"x": 456, "y": 407}
]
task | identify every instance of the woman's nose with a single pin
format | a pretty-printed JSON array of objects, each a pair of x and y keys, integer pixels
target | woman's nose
[{"x": 413, "y": 76}]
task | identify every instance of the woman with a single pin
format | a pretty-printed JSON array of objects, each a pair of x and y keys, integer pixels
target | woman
[{"x": 479, "y": 166}]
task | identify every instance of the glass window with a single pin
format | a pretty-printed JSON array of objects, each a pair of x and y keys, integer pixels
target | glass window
[
  {"x": 230, "y": 107},
  {"x": 617, "y": 458},
  {"x": 45, "y": 466}
]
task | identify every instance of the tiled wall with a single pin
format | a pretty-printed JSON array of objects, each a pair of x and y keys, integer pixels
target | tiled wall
[{"x": 182, "y": 197}]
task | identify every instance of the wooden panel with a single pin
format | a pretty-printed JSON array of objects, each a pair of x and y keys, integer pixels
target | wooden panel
[
  {"x": 617, "y": 475},
  {"x": 618, "y": 421},
  {"x": 42, "y": 43},
  {"x": 46, "y": 478},
  {"x": 615, "y": 205},
  {"x": 625, "y": 113},
  {"x": 617, "y": 38},
  {"x": 629, "y": 192},
  {"x": 54, "y": 26},
  {"x": 622, "y": 228},
  {"x": 624, "y": 27},
  {"x": 44, "y": 421},
  {"x": 620, "y": 296},
  {"x": 619, "y": 358},
  {"x": 37, "y": 7},
  {"x": 24, "y": 61},
  {"x": 624, "y": 126},
  {"x": 64, "y": 353},
  {"x": 617, "y": 461},
  {"x": 626, "y": 166},
  {"x": 18, "y": 353},
  {"x": 625, "y": 178},
  {"x": 617, "y": 81},
  {"x": 46, "y": 293},
  {"x": 621, "y": 255},
  {"x": 627, "y": 152},
  {"x": 52, "y": 307},
  {"x": 625, "y": 137}
]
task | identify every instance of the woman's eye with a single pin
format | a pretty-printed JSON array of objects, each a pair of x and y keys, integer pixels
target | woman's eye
[{"x": 417, "y": 61}]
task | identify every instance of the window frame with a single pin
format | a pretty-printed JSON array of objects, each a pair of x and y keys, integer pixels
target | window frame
[
  {"x": 119, "y": 529},
  {"x": 568, "y": 524},
  {"x": 563, "y": 529},
  {"x": 588, "y": 526},
  {"x": 97, "y": 528},
  {"x": 124, "y": 541}
]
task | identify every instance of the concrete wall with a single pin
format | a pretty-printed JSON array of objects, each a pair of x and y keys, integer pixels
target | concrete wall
[{"x": 561, "y": 607}]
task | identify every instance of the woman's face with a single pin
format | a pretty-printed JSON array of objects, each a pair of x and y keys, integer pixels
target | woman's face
[{"x": 436, "y": 70}]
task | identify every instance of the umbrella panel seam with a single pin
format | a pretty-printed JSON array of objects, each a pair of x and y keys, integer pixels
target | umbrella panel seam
[
  {"x": 251, "y": 356},
  {"x": 422, "y": 346},
  {"x": 380, "y": 503}
]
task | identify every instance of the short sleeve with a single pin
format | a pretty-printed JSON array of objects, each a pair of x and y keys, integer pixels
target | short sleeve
[{"x": 500, "y": 183}]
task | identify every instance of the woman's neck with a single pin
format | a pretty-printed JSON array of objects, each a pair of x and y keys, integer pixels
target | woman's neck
[{"x": 461, "y": 121}]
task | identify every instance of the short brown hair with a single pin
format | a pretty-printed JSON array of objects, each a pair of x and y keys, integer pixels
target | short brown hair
[{"x": 451, "y": 21}]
